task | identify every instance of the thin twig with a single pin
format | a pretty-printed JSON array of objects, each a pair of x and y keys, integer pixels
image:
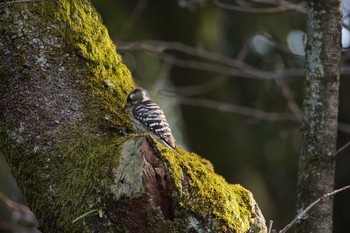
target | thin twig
[
  {"x": 242, "y": 110},
  {"x": 233, "y": 72},
  {"x": 156, "y": 46},
  {"x": 135, "y": 15},
  {"x": 301, "y": 214},
  {"x": 287, "y": 94},
  {"x": 270, "y": 226},
  {"x": 202, "y": 88},
  {"x": 347, "y": 26},
  {"x": 280, "y": 6},
  {"x": 278, "y": 45},
  {"x": 243, "y": 53},
  {"x": 18, "y": 1},
  {"x": 224, "y": 107},
  {"x": 212, "y": 61},
  {"x": 341, "y": 150}
]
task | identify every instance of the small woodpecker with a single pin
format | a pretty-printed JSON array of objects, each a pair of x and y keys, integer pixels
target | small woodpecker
[{"x": 147, "y": 117}]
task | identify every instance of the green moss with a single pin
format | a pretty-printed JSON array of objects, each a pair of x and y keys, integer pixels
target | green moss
[
  {"x": 84, "y": 35},
  {"x": 73, "y": 178},
  {"x": 108, "y": 79},
  {"x": 208, "y": 195},
  {"x": 90, "y": 160}
]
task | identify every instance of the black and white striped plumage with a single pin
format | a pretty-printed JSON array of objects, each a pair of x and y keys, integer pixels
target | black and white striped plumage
[{"x": 147, "y": 117}]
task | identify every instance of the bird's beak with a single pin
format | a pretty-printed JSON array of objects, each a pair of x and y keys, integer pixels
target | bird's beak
[{"x": 127, "y": 105}]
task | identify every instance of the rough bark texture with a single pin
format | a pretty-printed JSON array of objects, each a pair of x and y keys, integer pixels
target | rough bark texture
[
  {"x": 319, "y": 128},
  {"x": 62, "y": 88}
]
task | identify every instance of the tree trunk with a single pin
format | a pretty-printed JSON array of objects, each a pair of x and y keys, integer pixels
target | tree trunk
[
  {"x": 319, "y": 128},
  {"x": 62, "y": 90}
]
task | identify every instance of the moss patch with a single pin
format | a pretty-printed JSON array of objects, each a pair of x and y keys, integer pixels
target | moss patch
[
  {"x": 110, "y": 80},
  {"x": 107, "y": 77},
  {"x": 92, "y": 159},
  {"x": 80, "y": 182},
  {"x": 69, "y": 181},
  {"x": 207, "y": 194}
]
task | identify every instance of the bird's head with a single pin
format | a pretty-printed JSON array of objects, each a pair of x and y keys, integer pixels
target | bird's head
[{"x": 138, "y": 95}]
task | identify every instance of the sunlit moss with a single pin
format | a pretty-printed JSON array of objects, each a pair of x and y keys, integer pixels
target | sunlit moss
[
  {"x": 108, "y": 78},
  {"x": 208, "y": 195}
]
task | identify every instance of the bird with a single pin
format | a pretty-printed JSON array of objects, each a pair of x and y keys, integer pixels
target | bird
[{"x": 147, "y": 117}]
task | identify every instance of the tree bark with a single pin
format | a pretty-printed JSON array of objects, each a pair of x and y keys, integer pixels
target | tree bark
[
  {"x": 319, "y": 127},
  {"x": 62, "y": 90}
]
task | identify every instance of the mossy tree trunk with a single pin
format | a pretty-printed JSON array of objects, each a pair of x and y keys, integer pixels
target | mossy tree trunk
[
  {"x": 62, "y": 90},
  {"x": 319, "y": 128}
]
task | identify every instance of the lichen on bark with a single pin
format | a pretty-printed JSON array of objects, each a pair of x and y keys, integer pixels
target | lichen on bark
[{"x": 319, "y": 127}]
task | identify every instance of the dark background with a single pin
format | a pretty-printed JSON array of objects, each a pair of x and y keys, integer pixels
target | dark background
[{"x": 261, "y": 155}]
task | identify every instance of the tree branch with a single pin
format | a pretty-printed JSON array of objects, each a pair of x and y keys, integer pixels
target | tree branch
[
  {"x": 212, "y": 61},
  {"x": 280, "y": 6},
  {"x": 301, "y": 214},
  {"x": 287, "y": 93},
  {"x": 216, "y": 63},
  {"x": 341, "y": 150},
  {"x": 202, "y": 88},
  {"x": 224, "y": 107},
  {"x": 17, "y": 1}
]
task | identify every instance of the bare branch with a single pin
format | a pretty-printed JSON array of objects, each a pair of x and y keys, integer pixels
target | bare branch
[
  {"x": 135, "y": 14},
  {"x": 224, "y": 107},
  {"x": 280, "y": 46},
  {"x": 269, "y": 229},
  {"x": 161, "y": 47},
  {"x": 301, "y": 214},
  {"x": 213, "y": 83},
  {"x": 17, "y": 1},
  {"x": 346, "y": 26},
  {"x": 242, "y": 110},
  {"x": 280, "y": 6},
  {"x": 341, "y": 150},
  {"x": 201, "y": 88},
  {"x": 287, "y": 93},
  {"x": 226, "y": 65},
  {"x": 243, "y": 53},
  {"x": 218, "y": 63},
  {"x": 236, "y": 72}
]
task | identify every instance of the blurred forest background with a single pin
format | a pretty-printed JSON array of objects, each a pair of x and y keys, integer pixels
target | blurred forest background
[{"x": 230, "y": 80}]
